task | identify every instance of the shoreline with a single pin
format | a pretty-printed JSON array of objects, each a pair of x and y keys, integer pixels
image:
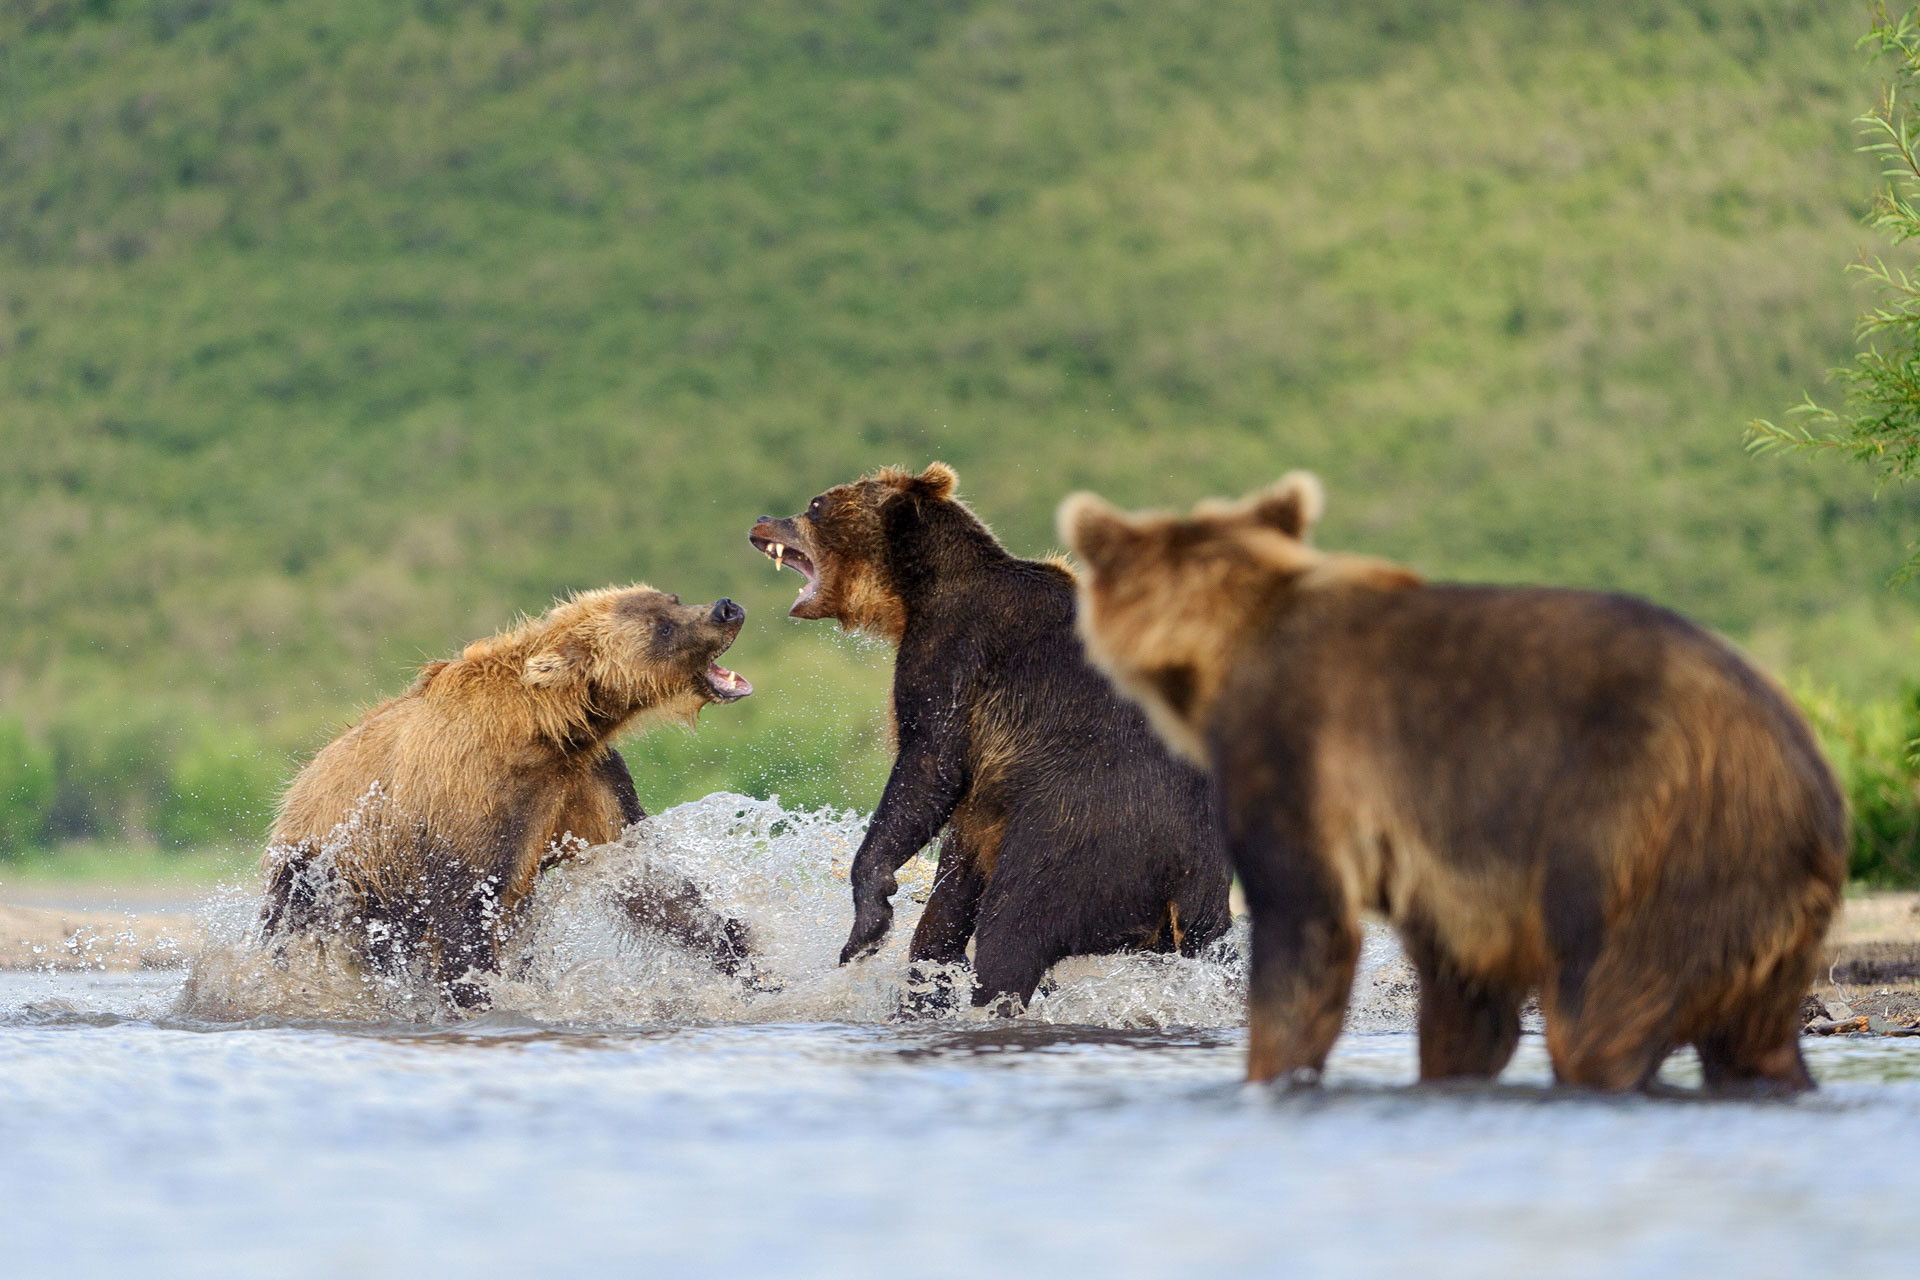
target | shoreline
[
  {"x": 53, "y": 938},
  {"x": 1869, "y": 977}
]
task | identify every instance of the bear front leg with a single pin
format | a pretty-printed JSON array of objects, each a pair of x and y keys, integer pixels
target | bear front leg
[
  {"x": 1306, "y": 945},
  {"x": 920, "y": 797},
  {"x": 675, "y": 906},
  {"x": 612, "y": 773},
  {"x": 464, "y": 957},
  {"x": 597, "y": 806},
  {"x": 292, "y": 895}
]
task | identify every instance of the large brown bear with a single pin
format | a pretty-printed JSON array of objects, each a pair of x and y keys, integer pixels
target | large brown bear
[
  {"x": 438, "y": 809},
  {"x": 1070, "y": 829},
  {"x": 1557, "y": 789}
]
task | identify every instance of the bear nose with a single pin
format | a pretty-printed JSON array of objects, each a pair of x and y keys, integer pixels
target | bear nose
[{"x": 727, "y": 613}]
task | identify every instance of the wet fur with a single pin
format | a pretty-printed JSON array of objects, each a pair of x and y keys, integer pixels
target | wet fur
[
  {"x": 1070, "y": 830},
  {"x": 441, "y": 806},
  {"x": 1562, "y": 790}
]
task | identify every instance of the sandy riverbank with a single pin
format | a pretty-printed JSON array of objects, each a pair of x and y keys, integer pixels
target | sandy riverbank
[
  {"x": 1872, "y": 968},
  {"x": 54, "y": 938}
]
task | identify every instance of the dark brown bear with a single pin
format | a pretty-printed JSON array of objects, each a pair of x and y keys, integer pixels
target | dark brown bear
[
  {"x": 1565, "y": 790},
  {"x": 1070, "y": 829},
  {"x": 441, "y": 806}
]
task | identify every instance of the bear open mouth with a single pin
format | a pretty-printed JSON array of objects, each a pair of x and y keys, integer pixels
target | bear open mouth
[
  {"x": 727, "y": 686},
  {"x": 785, "y": 556}
]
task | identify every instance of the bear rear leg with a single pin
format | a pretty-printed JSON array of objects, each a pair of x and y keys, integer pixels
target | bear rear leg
[
  {"x": 1610, "y": 1027},
  {"x": 1733, "y": 1065},
  {"x": 1467, "y": 1030},
  {"x": 952, "y": 908},
  {"x": 1469, "y": 1026},
  {"x": 292, "y": 896},
  {"x": 940, "y": 939},
  {"x": 1010, "y": 956},
  {"x": 463, "y": 956},
  {"x": 1755, "y": 1047}
]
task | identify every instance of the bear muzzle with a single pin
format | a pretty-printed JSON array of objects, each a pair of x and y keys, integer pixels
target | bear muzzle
[
  {"x": 785, "y": 543},
  {"x": 722, "y": 684}
]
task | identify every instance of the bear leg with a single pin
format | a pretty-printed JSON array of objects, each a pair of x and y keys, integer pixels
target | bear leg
[
  {"x": 952, "y": 908},
  {"x": 464, "y": 955},
  {"x": 1611, "y": 1027},
  {"x": 1738, "y": 1065},
  {"x": 1010, "y": 956},
  {"x": 940, "y": 939},
  {"x": 1586, "y": 1060},
  {"x": 1028, "y": 917},
  {"x": 1467, "y": 1029},
  {"x": 1469, "y": 1026},
  {"x": 1299, "y": 981},
  {"x": 1306, "y": 945},
  {"x": 292, "y": 896},
  {"x": 1609, "y": 995},
  {"x": 668, "y": 902},
  {"x": 1754, "y": 1048}
]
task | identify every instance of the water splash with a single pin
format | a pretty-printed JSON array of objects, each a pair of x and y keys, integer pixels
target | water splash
[{"x": 578, "y": 960}]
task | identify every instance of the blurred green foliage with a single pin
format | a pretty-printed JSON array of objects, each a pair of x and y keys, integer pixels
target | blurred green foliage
[
  {"x": 26, "y": 786},
  {"x": 1879, "y": 421},
  {"x": 221, "y": 792},
  {"x": 1872, "y": 748},
  {"x": 113, "y": 760},
  {"x": 333, "y": 336}
]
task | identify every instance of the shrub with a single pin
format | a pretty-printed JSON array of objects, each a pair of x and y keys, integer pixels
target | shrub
[
  {"x": 1873, "y": 750},
  {"x": 1878, "y": 422},
  {"x": 221, "y": 792},
  {"x": 26, "y": 787},
  {"x": 111, "y": 765}
]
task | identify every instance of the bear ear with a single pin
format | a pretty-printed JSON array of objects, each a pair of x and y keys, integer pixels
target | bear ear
[
  {"x": 552, "y": 668},
  {"x": 936, "y": 482},
  {"x": 1096, "y": 531},
  {"x": 1292, "y": 506}
]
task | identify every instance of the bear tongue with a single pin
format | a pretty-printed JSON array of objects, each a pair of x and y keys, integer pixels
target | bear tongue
[
  {"x": 804, "y": 567},
  {"x": 728, "y": 684}
]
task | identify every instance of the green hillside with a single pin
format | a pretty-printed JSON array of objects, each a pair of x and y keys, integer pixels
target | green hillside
[{"x": 333, "y": 335}]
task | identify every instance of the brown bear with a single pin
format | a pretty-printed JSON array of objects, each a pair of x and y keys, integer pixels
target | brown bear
[
  {"x": 441, "y": 806},
  {"x": 1567, "y": 790},
  {"x": 1070, "y": 829}
]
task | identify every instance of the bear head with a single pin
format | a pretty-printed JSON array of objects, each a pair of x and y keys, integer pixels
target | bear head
[
  {"x": 840, "y": 545},
  {"x": 1166, "y": 601},
  {"x": 601, "y": 659}
]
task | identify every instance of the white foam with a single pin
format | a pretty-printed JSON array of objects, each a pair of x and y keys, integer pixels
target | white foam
[{"x": 579, "y": 961}]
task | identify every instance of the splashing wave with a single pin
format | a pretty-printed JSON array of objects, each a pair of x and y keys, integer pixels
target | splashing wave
[{"x": 578, "y": 960}]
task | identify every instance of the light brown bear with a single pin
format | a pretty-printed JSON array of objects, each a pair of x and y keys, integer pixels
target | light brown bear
[
  {"x": 1563, "y": 790},
  {"x": 440, "y": 807}
]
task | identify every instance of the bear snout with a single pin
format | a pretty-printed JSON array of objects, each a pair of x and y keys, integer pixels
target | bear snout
[{"x": 728, "y": 614}]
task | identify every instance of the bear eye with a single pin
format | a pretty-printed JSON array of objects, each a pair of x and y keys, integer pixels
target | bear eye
[
  {"x": 663, "y": 629},
  {"x": 813, "y": 508}
]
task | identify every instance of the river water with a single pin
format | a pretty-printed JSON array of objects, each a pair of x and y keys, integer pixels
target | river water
[{"x": 622, "y": 1111}]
